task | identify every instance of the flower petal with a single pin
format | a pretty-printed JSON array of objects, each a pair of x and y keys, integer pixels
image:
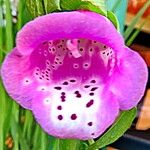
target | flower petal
[
  {"x": 68, "y": 25},
  {"x": 129, "y": 80},
  {"x": 72, "y": 70},
  {"x": 16, "y": 78},
  {"x": 82, "y": 118}
]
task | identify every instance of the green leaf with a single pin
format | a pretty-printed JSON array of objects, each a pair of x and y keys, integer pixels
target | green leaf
[
  {"x": 9, "y": 26},
  {"x": 72, "y": 144},
  {"x": 2, "y": 112},
  {"x": 123, "y": 122},
  {"x": 31, "y": 5},
  {"x": 66, "y": 144},
  {"x": 41, "y": 7},
  {"x": 111, "y": 16},
  {"x": 92, "y": 5},
  {"x": 70, "y": 4},
  {"x": 135, "y": 20},
  {"x": 51, "y": 5}
]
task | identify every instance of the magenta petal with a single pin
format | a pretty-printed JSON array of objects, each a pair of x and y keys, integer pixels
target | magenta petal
[
  {"x": 16, "y": 78},
  {"x": 129, "y": 80},
  {"x": 72, "y": 70},
  {"x": 82, "y": 118},
  {"x": 68, "y": 25}
]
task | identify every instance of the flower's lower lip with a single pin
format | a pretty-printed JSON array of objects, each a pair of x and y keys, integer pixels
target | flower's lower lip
[{"x": 72, "y": 113}]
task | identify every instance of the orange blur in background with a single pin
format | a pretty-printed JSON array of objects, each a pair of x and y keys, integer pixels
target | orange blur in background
[{"x": 135, "y": 5}]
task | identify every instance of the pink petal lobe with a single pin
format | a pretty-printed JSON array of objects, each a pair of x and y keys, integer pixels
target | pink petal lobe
[
  {"x": 129, "y": 80},
  {"x": 16, "y": 78},
  {"x": 64, "y": 115}
]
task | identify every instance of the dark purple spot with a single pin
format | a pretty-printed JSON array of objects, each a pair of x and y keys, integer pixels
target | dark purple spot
[
  {"x": 18, "y": 55},
  {"x": 104, "y": 46},
  {"x": 91, "y": 94},
  {"x": 48, "y": 69},
  {"x": 73, "y": 116},
  {"x": 91, "y": 49},
  {"x": 63, "y": 41},
  {"x": 27, "y": 81},
  {"x": 94, "y": 88},
  {"x": 95, "y": 41},
  {"x": 86, "y": 65},
  {"x": 75, "y": 66},
  {"x": 76, "y": 92},
  {"x": 56, "y": 62},
  {"x": 44, "y": 43},
  {"x": 60, "y": 117},
  {"x": 92, "y": 134},
  {"x": 81, "y": 49},
  {"x": 59, "y": 107},
  {"x": 37, "y": 74},
  {"x": 103, "y": 52},
  {"x": 47, "y": 78},
  {"x": 65, "y": 83},
  {"x": 78, "y": 41},
  {"x": 72, "y": 80},
  {"x": 47, "y": 75},
  {"x": 107, "y": 54},
  {"x": 86, "y": 86},
  {"x": 60, "y": 62},
  {"x": 63, "y": 98},
  {"x": 78, "y": 95},
  {"x": 57, "y": 58},
  {"x": 93, "y": 81},
  {"x": 90, "y": 103},
  {"x": 40, "y": 78},
  {"x": 58, "y": 88},
  {"x": 90, "y": 124},
  {"x": 63, "y": 93}
]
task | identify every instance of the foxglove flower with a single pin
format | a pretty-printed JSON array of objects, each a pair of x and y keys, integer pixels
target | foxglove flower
[{"x": 74, "y": 72}]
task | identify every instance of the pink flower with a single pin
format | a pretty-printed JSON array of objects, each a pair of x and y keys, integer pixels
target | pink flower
[{"x": 74, "y": 72}]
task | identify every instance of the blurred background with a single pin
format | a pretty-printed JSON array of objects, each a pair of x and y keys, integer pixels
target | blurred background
[{"x": 18, "y": 130}]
